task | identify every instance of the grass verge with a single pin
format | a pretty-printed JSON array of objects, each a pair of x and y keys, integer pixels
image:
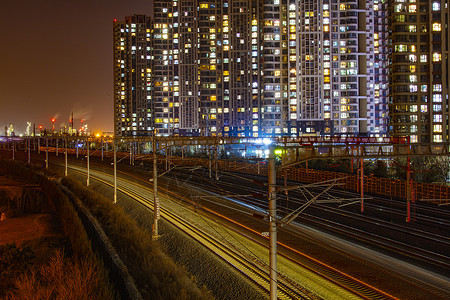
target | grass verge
[
  {"x": 155, "y": 274},
  {"x": 72, "y": 272}
]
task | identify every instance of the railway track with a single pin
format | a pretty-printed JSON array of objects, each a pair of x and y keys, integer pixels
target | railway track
[
  {"x": 370, "y": 293},
  {"x": 288, "y": 288},
  {"x": 252, "y": 269},
  {"x": 380, "y": 241}
]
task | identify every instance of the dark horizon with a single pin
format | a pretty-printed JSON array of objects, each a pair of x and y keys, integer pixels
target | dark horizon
[{"x": 57, "y": 59}]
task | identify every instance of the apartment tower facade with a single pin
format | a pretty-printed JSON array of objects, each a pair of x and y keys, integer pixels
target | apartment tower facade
[
  {"x": 132, "y": 76},
  {"x": 419, "y": 70}
]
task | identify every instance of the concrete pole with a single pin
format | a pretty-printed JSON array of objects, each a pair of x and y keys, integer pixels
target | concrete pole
[
  {"x": 216, "y": 162},
  {"x": 76, "y": 146},
  {"x": 167, "y": 157},
  {"x": 362, "y": 184},
  {"x": 155, "y": 192},
  {"x": 408, "y": 190},
  {"x": 272, "y": 225},
  {"x": 209, "y": 155},
  {"x": 102, "y": 149},
  {"x": 56, "y": 146},
  {"x": 131, "y": 147},
  {"x": 258, "y": 156},
  {"x": 46, "y": 153},
  {"x": 115, "y": 169},
  {"x": 29, "y": 150},
  {"x": 65, "y": 158},
  {"x": 87, "y": 146}
]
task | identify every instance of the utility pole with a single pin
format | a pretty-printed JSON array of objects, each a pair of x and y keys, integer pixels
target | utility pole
[
  {"x": 29, "y": 150},
  {"x": 362, "y": 184},
  {"x": 408, "y": 190},
  {"x": 46, "y": 152},
  {"x": 115, "y": 169},
  {"x": 65, "y": 172},
  {"x": 87, "y": 146},
  {"x": 272, "y": 224},
  {"x": 156, "y": 212}
]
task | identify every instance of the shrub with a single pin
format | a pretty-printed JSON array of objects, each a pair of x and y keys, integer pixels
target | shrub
[
  {"x": 13, "y": 262},
  {"x": 156, "y": 275},
  {"x": 60, "y": 279}
]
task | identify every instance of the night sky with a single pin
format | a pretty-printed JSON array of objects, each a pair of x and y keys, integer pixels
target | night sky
[{"x": 56, "y": 57}]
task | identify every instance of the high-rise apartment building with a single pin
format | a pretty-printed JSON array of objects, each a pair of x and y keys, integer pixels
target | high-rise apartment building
[
  {"x": 206, "y": 68},
  {"x": 336, "y": 57},
  {"x": 132, "y": 76},
  {"x": 266, "y": 68},
  {"x": 419, "y": 70}
]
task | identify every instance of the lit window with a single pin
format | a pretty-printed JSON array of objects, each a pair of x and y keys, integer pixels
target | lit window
[
  {"x": 437, "y": 128},
  {"x": 437, "y": 138},
  {"x": 436, "y": 26},
  {"x": 437, "y": 118},
  {"x": 436, "y": 6},
  {"x": 436, "y": 57},
  {"x": 437, "y": 98}
]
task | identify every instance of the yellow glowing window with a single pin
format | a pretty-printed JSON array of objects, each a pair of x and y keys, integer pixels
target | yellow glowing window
[
  {"x": 204, "y": 5},
  {"x": 412, "y": 8},
  {"x": 277, "y": 73},
  {"x": 342, "y": 7},
  {"x": 213, "y": 67},
  {"x": 226, "y": 73},
  {"x": 436, "y": 26},
  {"x": 213, "y": 98},
  {"x": 436, "y": 57}
]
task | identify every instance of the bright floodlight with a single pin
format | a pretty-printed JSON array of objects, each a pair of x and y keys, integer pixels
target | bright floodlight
[{"x": 267, "y": 141}]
